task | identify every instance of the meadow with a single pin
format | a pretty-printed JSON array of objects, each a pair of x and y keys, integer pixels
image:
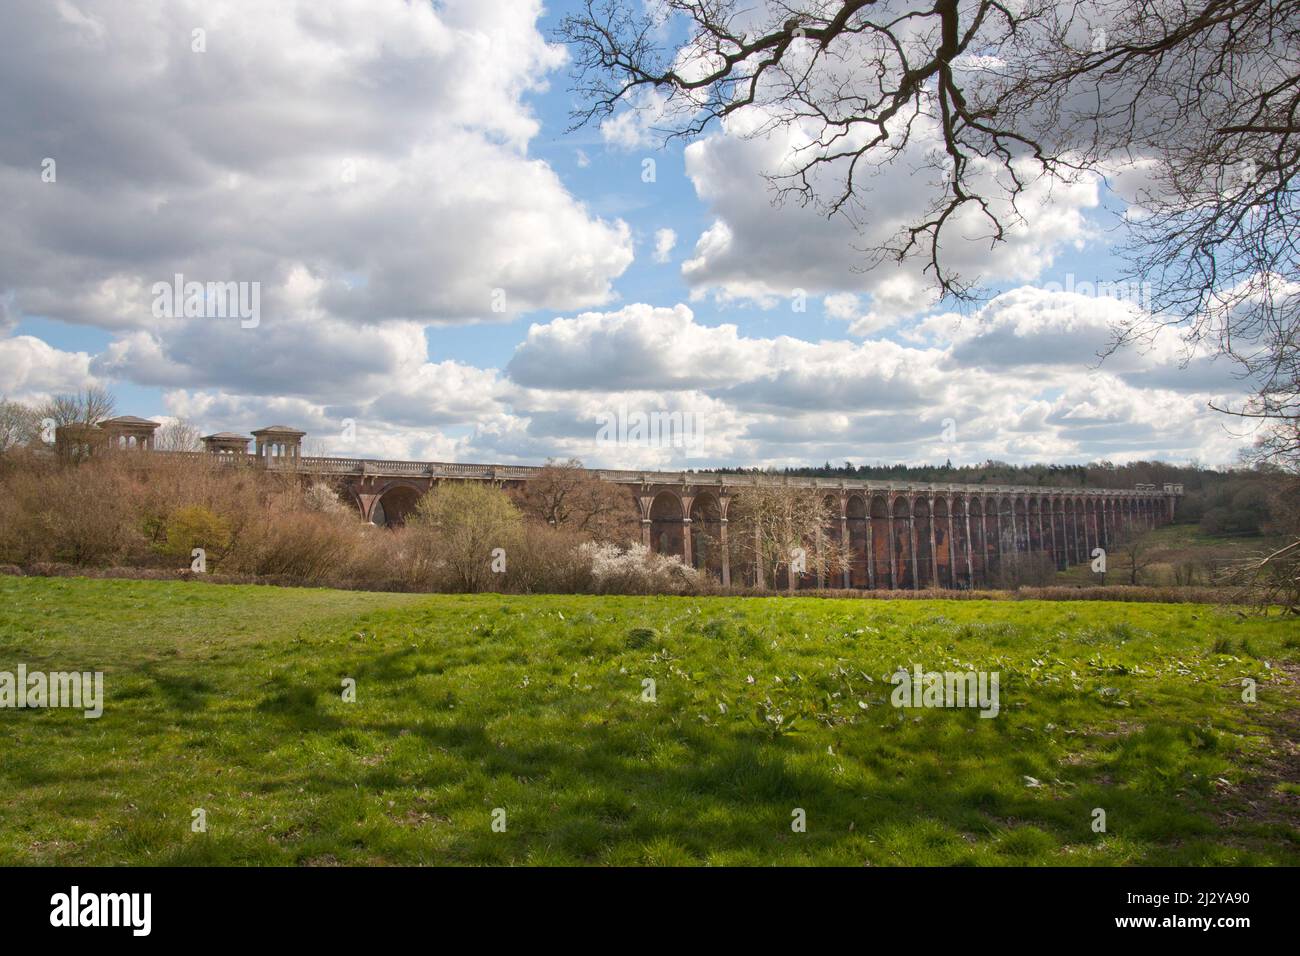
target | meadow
[{"x": 533, "y": 713}]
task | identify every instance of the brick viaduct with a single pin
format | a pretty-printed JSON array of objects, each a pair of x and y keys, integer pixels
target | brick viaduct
[{"x": 907, "y": 535}]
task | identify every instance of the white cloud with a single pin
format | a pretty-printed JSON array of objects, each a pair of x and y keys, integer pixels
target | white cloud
[
  {"x": 32, "y": 370},
  {"x": 633, "y": 126},
  {"x": 376, "y": 147},
  {"x": 665, "y": 240},
  {"x": 758, "y": 247}
]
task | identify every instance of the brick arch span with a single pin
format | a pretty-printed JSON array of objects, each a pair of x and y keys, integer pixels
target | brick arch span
[
  {"x": 666, "y": 513},
  {"x": 706, "y": 533},
  {"x": 392, "y": 503}
]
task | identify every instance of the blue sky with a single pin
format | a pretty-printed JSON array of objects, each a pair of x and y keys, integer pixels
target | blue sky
[{"x": 220, "y": 158}]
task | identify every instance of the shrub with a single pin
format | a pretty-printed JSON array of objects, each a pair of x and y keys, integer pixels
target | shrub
[
  {"x": 454, "y": 531},
  {"x": 193, "y": 527},
  {"x": 548, "y": 560},
  {"x": 638, "y": 570}
]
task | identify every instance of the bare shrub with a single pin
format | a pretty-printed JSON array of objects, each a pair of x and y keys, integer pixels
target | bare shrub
[{"x": 548, "y": 560}]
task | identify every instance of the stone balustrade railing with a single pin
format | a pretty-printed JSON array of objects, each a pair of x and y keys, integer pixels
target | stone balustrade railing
[{"x": 433, "y": 469}]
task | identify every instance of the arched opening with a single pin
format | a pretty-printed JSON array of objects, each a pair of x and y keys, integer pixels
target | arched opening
[
  {"x": 881, "y": 553},
  {"x": 978, "y": 557},
  {"x": 1021, "y": 532},
  {"x": 666, "y": 525},
  {"x": 1080, "y": 530},
  {"x": 923, "y": 528},
  {"x": 1070, "y": 537},
  {"x": 706, "y": 534},
  {"x": 394, "y": 506},
  {"x": 856, "y": 511},
  {"x": 942, "y": 543},
  {"x": 1089, "y": 527},
  {"x": 959, "y": 559},
  {"x": 992, "y": 537},
  {"x": 904, "y": 550},
  {"x": 1035, "y": 522}
]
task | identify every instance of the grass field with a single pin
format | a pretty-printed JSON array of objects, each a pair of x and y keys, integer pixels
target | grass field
[
  {"x": 1174, "y": 548},
  {"x": 228, "y": 698}
]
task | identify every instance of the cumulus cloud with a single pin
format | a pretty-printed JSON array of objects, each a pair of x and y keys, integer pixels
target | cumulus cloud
[
  {"x": 32, "y": 370},
  {"x": 638, "y": 346},
  {"x": 758, "y": 247},
  {"x": 1012, "y": 379},
  {"x": 376, "y": 150}
]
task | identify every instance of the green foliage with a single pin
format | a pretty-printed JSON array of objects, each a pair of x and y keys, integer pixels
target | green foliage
[
  {"x": 639, "y": 637},
  {"x": 194, "y": 527},
  {"x": 458, "y": 527}
]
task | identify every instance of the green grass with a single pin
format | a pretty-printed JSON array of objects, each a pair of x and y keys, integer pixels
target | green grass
[
  {"x": 1173, "y": 547},
  {"x": 228, "y": 698}
]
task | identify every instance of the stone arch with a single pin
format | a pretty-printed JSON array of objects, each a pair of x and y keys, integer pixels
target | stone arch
[
  {"x": 923, "y": 537},
  {"x": 960, "y": 556},
  {"x": 1089, "y": 526},
  {"x": 394, "y": 504},
  {"x": 992, "y": 537},
  {"x": 1069, "y": 539},
  {"x": 1020, "y": 523},
  {"x": 1034, "y": 524},
  {"x": 943, "y": 544},
  {"x": 903, "y": 550},
  {"x": 978, "y": 551},
  {"x": 706, "y": 533},
  {"x": 855, "y": 526},
  {"x": 1081, "y": 528},
  {"x": 666, "y": 524},
  {"x": 881, "y": 541}
]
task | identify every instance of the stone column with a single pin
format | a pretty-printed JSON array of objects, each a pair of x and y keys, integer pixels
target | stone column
[
  {"x": 846, "y": 545},
  {"x": 889, "y": 526},
  {"x": 911, "y": 537},
  {"x": 970, "y": 564},
  {"x": 952, "y": 550},
  {"x": 1080, "y": 546},
  {"x": 821, "y": 575},
  {"x": 1051, "y": 524},
  {"x": 726, "y": 554},
  {"x": 871, "y": 552},
  {"x": 934, "y": 557}
]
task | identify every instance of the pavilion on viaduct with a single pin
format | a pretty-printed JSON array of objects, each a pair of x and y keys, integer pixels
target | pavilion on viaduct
[{"x": 901, "y": 535}]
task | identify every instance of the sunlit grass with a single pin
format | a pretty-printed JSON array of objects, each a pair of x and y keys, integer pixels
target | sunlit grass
[{"x": 229, "y": 699}]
